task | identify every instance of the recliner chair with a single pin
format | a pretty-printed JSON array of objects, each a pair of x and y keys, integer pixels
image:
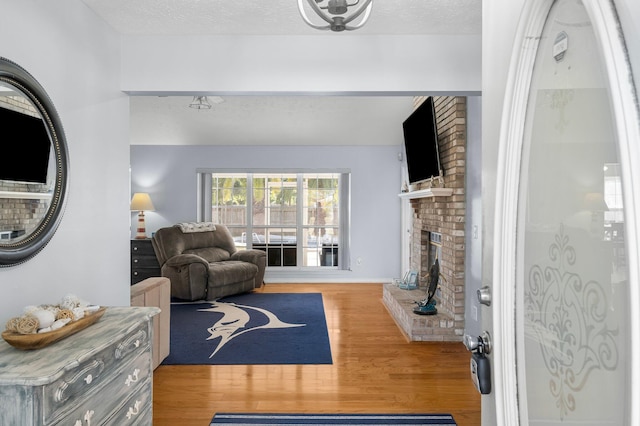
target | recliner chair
[{"x": 202, "y": 262}]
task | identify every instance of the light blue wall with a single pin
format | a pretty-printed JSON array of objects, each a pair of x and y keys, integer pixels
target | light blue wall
[
  {"x": 274, "y": 65},
  {"x": 84, "y": 65},
  {"x": 76, "y": 58},
  {"x": 168, "y": 174}
]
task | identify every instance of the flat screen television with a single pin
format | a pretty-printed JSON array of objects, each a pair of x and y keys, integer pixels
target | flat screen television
[
  {"x": 421, "y": 143},
  {"x": 27, "y": 146}
]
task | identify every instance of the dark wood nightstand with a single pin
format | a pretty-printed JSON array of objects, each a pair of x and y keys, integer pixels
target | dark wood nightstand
[{"x": 144, "y": 263}]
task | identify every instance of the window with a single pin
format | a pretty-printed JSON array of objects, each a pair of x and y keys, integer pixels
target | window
[
  {"x": 299, "y": 218},
  {"x": 613, "y": 207},
  {"x": 613, "y": 212}
]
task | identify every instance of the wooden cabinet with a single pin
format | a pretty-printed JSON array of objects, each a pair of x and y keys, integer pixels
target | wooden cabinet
[
  {"x": 156, "y": 292},
  {"x": 144, "y": 263},
  {"x": 101, "y": 375}
]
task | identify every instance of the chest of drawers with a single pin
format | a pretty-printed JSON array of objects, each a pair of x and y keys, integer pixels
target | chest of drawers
[
  {"x": 101, "y": 375},
  {"x": 144, "y": 263}
]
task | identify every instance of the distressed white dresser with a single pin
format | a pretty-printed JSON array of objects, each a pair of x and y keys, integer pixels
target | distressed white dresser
[{"x": 101, "y": 375}]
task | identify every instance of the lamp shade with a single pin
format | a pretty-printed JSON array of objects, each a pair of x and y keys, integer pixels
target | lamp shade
[
  {"x": 594, "y": 201},
  {"x": 141, "y": 202}
]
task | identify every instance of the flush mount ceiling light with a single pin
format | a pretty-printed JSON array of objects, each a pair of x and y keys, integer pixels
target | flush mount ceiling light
[
  {"x": 204, "y": 102},
  {"x": 335, "y": 13},
  {"x": 200, "y": 102}
]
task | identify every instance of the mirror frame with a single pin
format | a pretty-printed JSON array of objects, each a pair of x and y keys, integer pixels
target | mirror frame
[{"x": 24, "y": 249}]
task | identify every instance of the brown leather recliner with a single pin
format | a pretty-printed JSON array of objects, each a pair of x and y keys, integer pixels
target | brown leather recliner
[{"x": 202, "y": 262}]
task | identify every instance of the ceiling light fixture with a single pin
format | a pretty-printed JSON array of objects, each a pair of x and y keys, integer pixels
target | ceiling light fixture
[
  {"x": 200, "y": 102},
  {"x": 204, "y": 102},
  {"x": 334, "y": 11}
]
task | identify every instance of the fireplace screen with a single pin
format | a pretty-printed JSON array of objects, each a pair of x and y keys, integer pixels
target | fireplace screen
[{"x": 434, "y": 250}]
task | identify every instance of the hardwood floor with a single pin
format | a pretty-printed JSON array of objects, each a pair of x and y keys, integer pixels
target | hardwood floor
[{"x": 375, "y": 370}]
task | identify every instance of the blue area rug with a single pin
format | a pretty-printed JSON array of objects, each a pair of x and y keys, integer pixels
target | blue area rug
[
  {"x": 251, "y": 328},
  {"x": 332, "y": 419}
]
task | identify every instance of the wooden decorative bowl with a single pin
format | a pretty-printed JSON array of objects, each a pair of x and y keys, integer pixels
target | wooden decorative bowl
[{"x": 40, "y": 340}]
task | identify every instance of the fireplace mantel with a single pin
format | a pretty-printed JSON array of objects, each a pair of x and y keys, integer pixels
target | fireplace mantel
[{"x": 427, "y": 193}]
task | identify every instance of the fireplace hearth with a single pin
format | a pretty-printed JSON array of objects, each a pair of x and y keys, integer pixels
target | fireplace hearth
[{"x": 400, "y": 303}]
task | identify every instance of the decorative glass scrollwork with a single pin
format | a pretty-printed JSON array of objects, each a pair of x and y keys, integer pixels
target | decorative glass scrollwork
[{"x": 567, "y": 315}]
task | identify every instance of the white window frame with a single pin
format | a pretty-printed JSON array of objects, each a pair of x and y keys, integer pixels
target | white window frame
[{"x": 204, "y": 200}]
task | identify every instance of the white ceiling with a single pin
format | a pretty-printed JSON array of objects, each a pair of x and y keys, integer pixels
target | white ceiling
[
  {"x": 254, "y": 120},
  {"x": 270, "y": 120},
  {"x": 281, "y": 17}
]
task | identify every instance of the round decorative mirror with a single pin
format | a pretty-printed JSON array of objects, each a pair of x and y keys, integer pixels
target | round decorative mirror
[{"x": 34, "y": 167}]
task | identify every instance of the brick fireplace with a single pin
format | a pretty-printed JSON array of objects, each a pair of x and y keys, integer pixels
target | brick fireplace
[
  {"x": 438, "y": 225},
  {"x": 20, "y": 215}
]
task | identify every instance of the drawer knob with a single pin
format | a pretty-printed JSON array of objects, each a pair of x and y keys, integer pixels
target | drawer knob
[
  {"x": 130, "y": 344},
  {"x": 132, "y": 378},
  {"x": 87, "y": 419},
  {"x": 88, "y": 379},
  {"x": 133, "y": 411}
]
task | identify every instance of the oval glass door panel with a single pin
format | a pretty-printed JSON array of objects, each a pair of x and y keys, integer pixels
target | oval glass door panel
[{"x": 572, "y": 286}]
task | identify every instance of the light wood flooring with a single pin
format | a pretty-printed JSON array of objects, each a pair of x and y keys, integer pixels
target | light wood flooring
[{"x": 375, "y": 370}]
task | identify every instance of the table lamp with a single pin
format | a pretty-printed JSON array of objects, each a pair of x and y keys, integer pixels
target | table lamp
[{"x": 141, "y": 202}]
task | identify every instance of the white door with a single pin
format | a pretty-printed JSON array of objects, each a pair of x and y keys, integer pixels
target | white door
[{"x": 565, "y": 293}]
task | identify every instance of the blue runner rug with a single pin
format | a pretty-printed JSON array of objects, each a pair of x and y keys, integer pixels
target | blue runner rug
[
  {"x": 251, "y": 328},
  {"x": 332, "y": 419}
]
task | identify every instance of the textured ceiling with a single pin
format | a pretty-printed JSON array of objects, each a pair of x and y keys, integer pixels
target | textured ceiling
[
  {"x": 270, "y": 120},
  {"x": 277, "y": 17},
  {"x": 249, "y": 120}
]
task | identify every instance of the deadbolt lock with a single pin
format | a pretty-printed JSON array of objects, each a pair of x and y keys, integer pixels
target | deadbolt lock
[{"x": 484, "y": 296}]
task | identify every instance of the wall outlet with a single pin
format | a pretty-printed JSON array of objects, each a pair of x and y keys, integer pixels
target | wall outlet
[{"x": 359, "y": 261}]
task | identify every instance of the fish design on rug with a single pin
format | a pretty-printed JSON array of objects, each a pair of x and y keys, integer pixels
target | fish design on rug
[{"x": 234, "y": 322}]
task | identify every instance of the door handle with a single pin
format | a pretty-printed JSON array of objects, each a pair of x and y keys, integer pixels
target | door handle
[
  {"x": 480, "y": 344},
  {"x": 480, "y": 365}
]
